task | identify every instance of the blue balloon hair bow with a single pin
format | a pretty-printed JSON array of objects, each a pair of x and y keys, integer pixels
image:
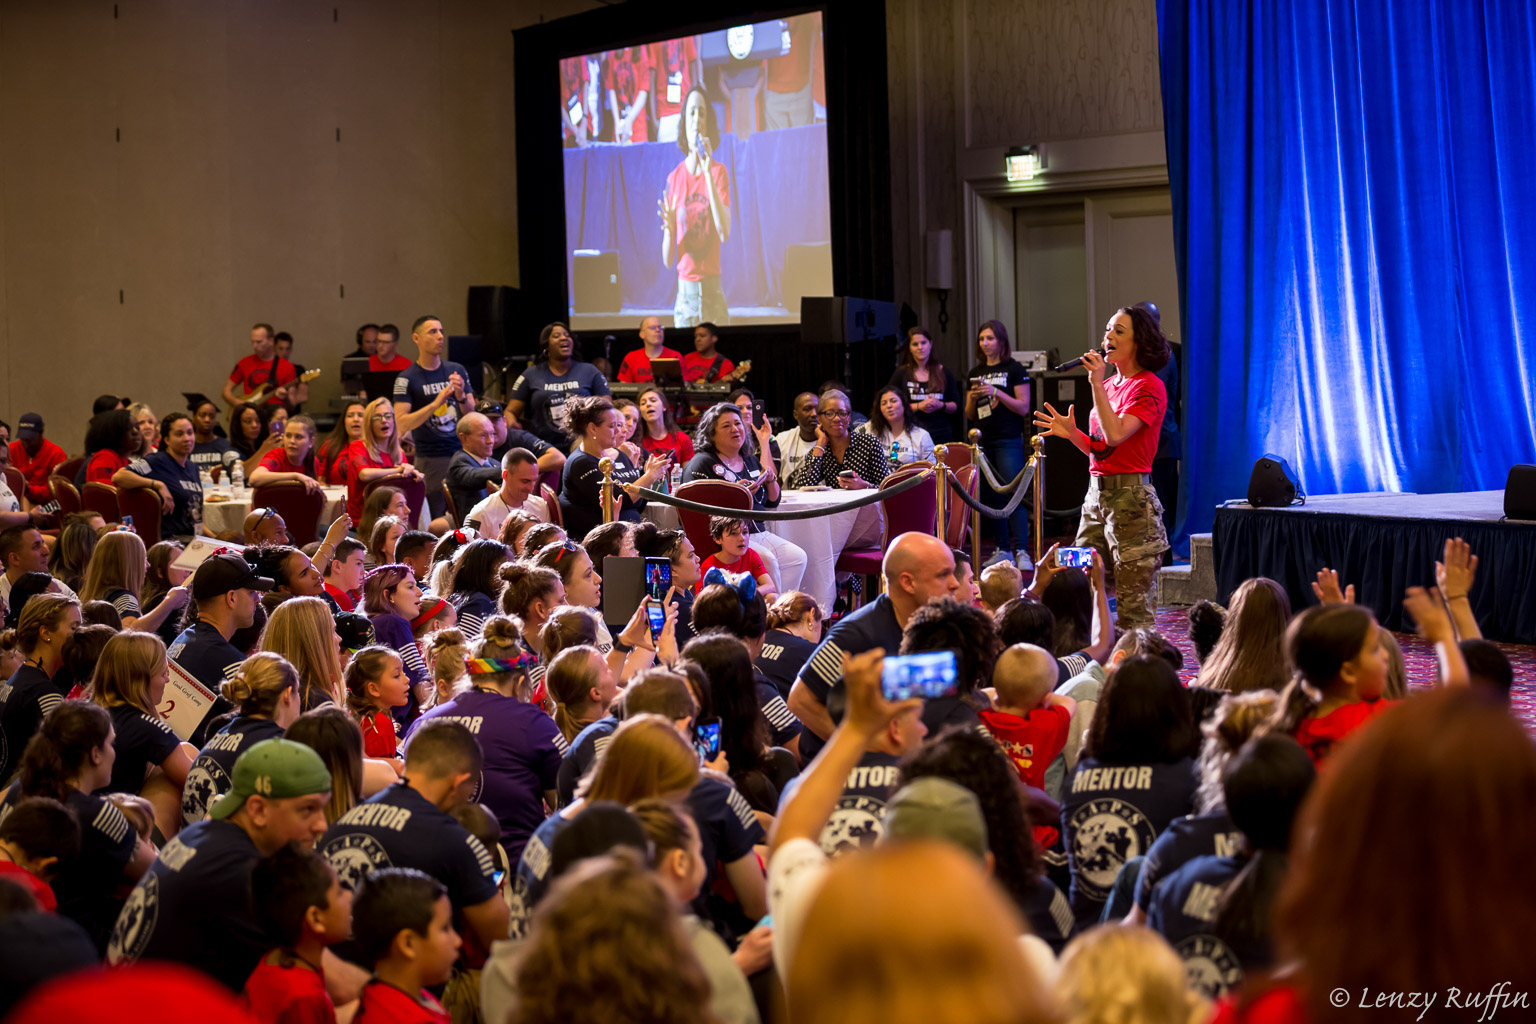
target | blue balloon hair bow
[{"x": 741, "y": 582}]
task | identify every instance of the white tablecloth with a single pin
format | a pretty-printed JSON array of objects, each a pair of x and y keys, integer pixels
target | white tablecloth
[
  {"x": 219, "y": 516},
  {"x": 822, "y": 538}
]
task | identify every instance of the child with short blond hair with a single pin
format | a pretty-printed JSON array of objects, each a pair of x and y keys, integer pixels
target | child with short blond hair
[
  {"x": 1028, "y": 720},
  {"x": 1000, "y": 583}
]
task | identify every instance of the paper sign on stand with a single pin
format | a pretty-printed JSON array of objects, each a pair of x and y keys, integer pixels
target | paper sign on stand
[
  {"x": 201, "y": 549},
  {"x": 186, "y": 702}
]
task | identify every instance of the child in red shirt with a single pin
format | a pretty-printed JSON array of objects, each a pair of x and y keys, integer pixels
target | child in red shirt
[
  {"x": 403, "y": 924},
  {"x": 735, "y": 556},
  {"x": 376, "y": 681},
  {"x": 36, "y": 836},
  {"x": 1027, "y": 720},
  {"x": 299, "y": 900}
]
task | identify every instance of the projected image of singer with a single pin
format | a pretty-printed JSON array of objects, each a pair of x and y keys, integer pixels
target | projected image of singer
[
  {"x": 695, "y": 215},
  {"x": 1121, "y": 513}
]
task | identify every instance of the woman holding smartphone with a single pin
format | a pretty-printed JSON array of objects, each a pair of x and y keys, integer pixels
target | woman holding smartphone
[
  {"x": 998, "y": 403},
  {"x": 1122, "y": 517}
]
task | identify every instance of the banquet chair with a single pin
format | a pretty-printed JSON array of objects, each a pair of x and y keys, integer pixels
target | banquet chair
[
  {"x": 102, "y": 499},
  {"x": 143, "y": 503},
  {"x": 300, "y": 509},
  {"x": 959, "y": 525},
  {"x": 65, "y": 493},
  {"x": 914, "y": 511},
  {"x": 720, "y": 493}
]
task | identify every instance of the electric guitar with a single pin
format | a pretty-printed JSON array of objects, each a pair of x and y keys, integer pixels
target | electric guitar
[{"x": 262, "y": 393}]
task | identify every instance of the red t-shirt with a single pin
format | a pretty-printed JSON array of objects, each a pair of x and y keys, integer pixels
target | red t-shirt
[
  {"x": 636, "y": 366},
  {"x": 36, "y": 470},
  {"x": 1032, "y": 742},
  {"x": 749, "y": 563},
  {"x": 41, "y": 891},
  {"x": 251, "y": 373},
  {"x": 693, "y": 230},
  {"x": 345, "y": 601},
  {"x": 628, "y": 73},
  {"x": 291, "y": 994},
  {"x": 673, "y": 61},
  {"x": 358, "y": 460},
  {"x": 277, "y": 461},
  {"x": 792, "y": 71},
  {"x": 400, "y": 362},
  {"x": 1144, "y": 397},
  {"x": 379, "y": 738},
  {"x": 102, "y": 465},
  {"x": 675, "y": 444},
  {"x": 336, "y": 470},
  {"x": 1277, "y": 1006},
  {"x": 696, "y": 367},
  {"x": 1319, "y": 736},
  {"x": 382, "y": 1003}
]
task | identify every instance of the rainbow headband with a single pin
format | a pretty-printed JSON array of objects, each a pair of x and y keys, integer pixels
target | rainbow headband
[{"x": 496, "y": 666}]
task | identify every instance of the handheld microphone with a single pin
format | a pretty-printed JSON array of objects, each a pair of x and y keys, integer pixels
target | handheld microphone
[{"x": 1072, "y": 364}]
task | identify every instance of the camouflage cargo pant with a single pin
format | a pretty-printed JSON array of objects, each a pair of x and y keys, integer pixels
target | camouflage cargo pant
[{"x": 1123, "y": 521}]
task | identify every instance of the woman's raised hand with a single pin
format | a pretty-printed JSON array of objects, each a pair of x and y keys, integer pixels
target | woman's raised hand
[{"x": 1049, "y": 421}]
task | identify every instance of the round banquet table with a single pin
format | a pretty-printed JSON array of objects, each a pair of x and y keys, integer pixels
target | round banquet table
[
  {"x": 219, "y": 516},
  {"x": 822, "y": 538}
]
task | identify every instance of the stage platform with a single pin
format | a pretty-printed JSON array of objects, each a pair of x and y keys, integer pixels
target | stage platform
[{"x": 1384, "y": 543}]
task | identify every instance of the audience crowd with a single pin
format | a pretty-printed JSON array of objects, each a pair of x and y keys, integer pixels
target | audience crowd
[{"x": 408, "y": 774}]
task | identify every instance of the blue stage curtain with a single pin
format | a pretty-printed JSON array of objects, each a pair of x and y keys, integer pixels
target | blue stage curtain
[{"x": 1354, "y": 202}]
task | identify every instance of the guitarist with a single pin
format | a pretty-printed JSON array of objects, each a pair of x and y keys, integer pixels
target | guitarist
[
  {"x": 704, "y": 365},
  {"x": 261, "y": 369}
]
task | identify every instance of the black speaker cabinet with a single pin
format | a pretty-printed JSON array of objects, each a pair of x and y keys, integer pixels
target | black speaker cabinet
[
  {"x": 1520, "y": 493},
  {"x": 1066, "y": 468},
  {"x": 494, "y": 315},
  {"x": 1273, "y": 484},
  {"x": 595, "y": 282}
]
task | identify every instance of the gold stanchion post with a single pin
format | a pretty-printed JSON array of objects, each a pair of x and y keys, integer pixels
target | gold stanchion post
[
  {"x": 975, "y": 438},
  {"x": 1038, "y": 443},
  {"x": 606, "y": 465},
  {"x": 941, "y": 521}
]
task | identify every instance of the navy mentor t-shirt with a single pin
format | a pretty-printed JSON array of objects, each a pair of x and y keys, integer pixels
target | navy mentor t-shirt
[
  {"x": 1183, "y": 911},
  {"x": 1111, "y": 813},
  {"x": 212, "y": 773},
  {"x": 545, "y": 393},
  {"x": 438, "y": 437},
  {"x": 1184, "y": 839},
  {"x": 24, "y": 699},
  {"x": 585, "y": 749},
  {"x": 873, "y": 625},
  {"x": 186, "y": 488},
  {"x": 192, "y": 906},
  {"x": 783, "y": 654}
]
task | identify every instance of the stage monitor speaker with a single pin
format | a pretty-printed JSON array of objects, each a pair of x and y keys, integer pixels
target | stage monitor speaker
[
  {"x": 493, "y": 314},
  {"x": 843, "y": 320},
  {"x": 1520, "y": 493},
  {"x": 1273, "y": 484}
]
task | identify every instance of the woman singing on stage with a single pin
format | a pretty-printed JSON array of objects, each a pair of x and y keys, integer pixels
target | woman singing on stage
[
  {"x": 1121, "y": 513},
  {"x": 696, "y": 218}
]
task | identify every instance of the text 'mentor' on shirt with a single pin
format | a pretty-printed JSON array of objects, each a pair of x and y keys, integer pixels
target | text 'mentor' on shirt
[{"x": 416, "y": 385}]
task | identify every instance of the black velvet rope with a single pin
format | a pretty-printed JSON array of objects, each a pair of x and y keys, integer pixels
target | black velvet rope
[
  {"x": 1021, "y": 485},
  {"x": 774, "y": 515},
  {"x": 1008, "y": 488}
]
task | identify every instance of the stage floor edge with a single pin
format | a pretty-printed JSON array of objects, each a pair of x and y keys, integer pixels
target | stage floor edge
[{"x": 1383, "y": 543}]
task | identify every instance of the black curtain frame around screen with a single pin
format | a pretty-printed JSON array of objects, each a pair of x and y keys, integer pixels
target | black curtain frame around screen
[{"x": 858, "y": 134}]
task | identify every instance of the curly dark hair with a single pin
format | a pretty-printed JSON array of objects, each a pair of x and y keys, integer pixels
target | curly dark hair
[
  {"x": 946, "y": 624},
  {"x": 704, "y": 433},
  {"x": 1152, "y": 351},
  {"x": 967, "y": 758}
]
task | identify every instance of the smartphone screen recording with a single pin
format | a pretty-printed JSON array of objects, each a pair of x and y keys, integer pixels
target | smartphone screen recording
[
  {"x": 658, "y": 577},
  {"x": 658, "y": 619},
  {"x": 1074, "y": 558},
  {"x": 927, "y": 675}
]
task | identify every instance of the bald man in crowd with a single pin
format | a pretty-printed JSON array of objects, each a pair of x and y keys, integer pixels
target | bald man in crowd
[{"x": 917, "y": 569}]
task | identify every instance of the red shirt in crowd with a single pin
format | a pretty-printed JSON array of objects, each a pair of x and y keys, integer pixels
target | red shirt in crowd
[
  {"x": 1318, "y": 736},
  {"x": 693, "y": 232},
  {"x": 750, "y": 562},
  {"x": 1277, "y": 1006},
  {"x": 379, "y": 738},
  {"x": 288, "y": 993},
  {"x": 628, "y": 73},
  {"x": 675, "y": 444},
  {"x": 1142, "y": 396},
  {"x": 377, "y": 365},
  {"x": 636, "y": 366},
  {"x": 345, "y": 601},
  {"x": 1031, "y": 742},
  {"x": 792, "y": 71},
  {"x": 251, "y": 373},
  {"x": 102, "y": 465},
  {"x": 358, "y": 460},
  {"x": 383, "y": 1003},
  {"x": 41, "y": 891},
  {"x": 673, "y": 61},
  {"x": 277, "y": 461},
  {"x": 696, "y": 367},
  {"x": 37, "y": 468}
]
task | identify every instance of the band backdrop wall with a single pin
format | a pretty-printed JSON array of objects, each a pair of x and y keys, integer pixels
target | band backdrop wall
[{"x": 1352, "y": 205}]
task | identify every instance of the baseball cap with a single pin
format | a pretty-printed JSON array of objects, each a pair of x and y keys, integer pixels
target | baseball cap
[
  {"x": 29, "y": 426},
  {"x": 220, "y": 573},
  {"x": 356, "y": 631},
  {"x": 491, "y": 410},
  {"x": 276, "y": 769},
  {"x": 935, "y": 808}
]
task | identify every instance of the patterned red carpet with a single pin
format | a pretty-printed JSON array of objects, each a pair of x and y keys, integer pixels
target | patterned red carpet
[{"x": 1419, "y": 656}]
